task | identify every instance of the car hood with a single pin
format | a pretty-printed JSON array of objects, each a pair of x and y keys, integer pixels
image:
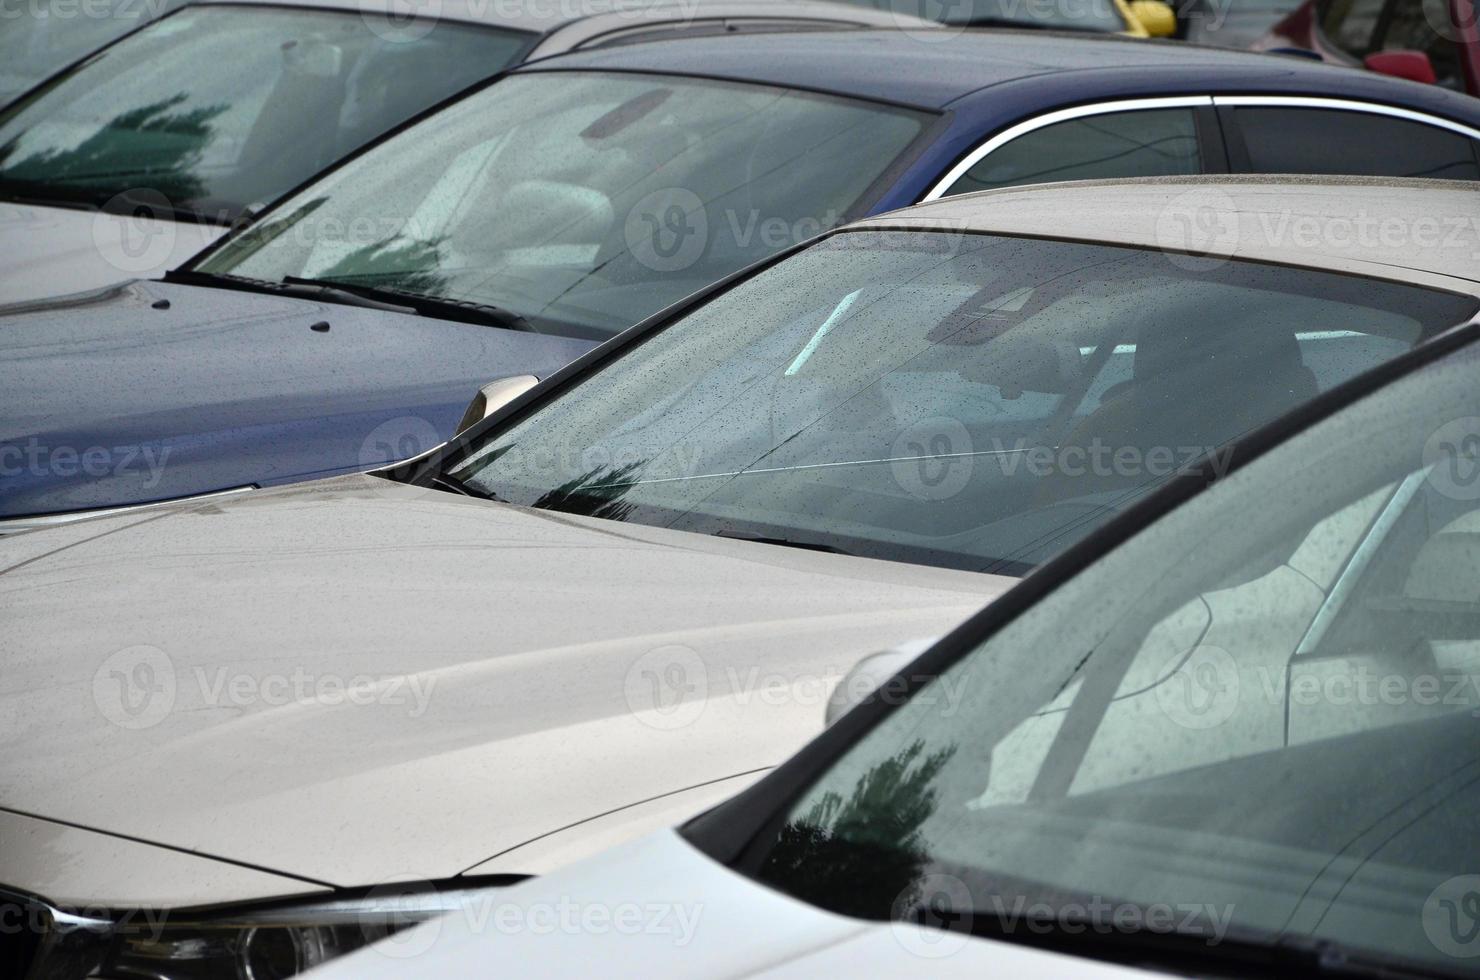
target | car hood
[
  {"x": 659, "y": 902},
  {"x": 354, "y": 679},
  {"x": 150, "y": 391},
  {"x": 47, "y": 251}
]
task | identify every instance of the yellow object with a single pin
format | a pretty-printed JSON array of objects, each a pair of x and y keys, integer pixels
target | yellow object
[{"x": 1148, "y": 18}]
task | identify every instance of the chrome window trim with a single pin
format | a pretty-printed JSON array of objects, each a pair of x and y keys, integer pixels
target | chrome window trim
[
  {"x": 1057, "y": 116},
  {"x": 1346, "y": 105},
  {"x": 994, "y": 143},
  {"x": 16, "y": 525}
]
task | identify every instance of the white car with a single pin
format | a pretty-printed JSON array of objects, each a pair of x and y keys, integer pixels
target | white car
[
  {"x": 628, "y": 591},
  {"x": 136, "y": 158},
  {"x": 1237, "y": 734}
]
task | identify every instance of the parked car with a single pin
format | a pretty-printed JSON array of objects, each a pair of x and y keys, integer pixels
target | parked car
[
  {"x": 629, "y": 591},
  {"x": 1234, "y": 734},
  {"x": 1134, "y": 18},
  {"x": 581, "y": 195},
  {"x": 137, "y": 158},
  {"x": 45, "y": 36},
  {"x": 1432, "y": 41}
]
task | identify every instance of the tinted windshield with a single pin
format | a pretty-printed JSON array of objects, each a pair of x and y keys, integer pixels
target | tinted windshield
[
  {"x": 1073, "y": 15},
  {"x": 1258, "y": 718},
  {"x": 584, "y": 202},
  {"x": 217, "y": 108},
  {"x": 42, "y": 38},
  {"x": 963, "y": 400}
]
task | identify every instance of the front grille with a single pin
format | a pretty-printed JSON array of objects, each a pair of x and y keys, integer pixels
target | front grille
[{"x": 21, "y": 926}]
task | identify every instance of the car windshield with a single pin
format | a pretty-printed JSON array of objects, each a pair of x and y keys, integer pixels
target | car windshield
[
  {"x": 51, "y": 34},
  {"x": 1257, "y": 720},
  {"x": 583, "y": 201},
  {"x": 969, "y": 401},
  {"x": 213, "y": 109},
  {"x": 1100, "y": 16}
]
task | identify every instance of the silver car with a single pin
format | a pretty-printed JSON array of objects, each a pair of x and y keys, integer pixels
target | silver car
[
  {"x": 630, "y": 590},
  {"x": 139, "y": 156}
]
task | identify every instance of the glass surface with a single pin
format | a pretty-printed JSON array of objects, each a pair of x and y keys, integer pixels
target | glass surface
[
  {"x": 1149, "y": 143},
  {"x": 1327, "y": 141},
  {"x": 1099, "y": 16},
  {"x": 42, "y": 37},
  {"x": 583, "y": 201},
  {"x": 1258, "y": 719},
  {"x": 969, "y": 401},
  {"x": 216, "y": 108}
]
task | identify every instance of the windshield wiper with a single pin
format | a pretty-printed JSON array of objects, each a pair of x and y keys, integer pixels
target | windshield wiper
[
  {"x": 786, "y": 543},
  {"x": 45, "y": 194},
  {"x": 342, "y": 296},
  {"x": 461, "y": 311},
  {"x": 365, "y": 297},
  {"x": 1027, "y": 25}
]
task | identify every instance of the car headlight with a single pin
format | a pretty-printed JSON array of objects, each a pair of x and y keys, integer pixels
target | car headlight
[{"x": 260, "y": 942}]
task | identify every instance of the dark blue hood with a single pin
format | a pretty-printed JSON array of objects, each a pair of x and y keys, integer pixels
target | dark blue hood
[{"x": 110, "y": 401}]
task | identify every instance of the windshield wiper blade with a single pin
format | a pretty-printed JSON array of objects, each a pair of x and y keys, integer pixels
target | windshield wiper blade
[
  {"x": 441, "y": 307},
  {"x": 786, "y": 543},
  {"x": 344, "y": 297},
  {"x": 1025, "y": 25}
]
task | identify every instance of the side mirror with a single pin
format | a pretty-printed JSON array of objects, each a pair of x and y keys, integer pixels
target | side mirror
[
  {"x": 494, "y": 396},
  {"x": 869, "y": 674},
  {"x": 1157, "y": 18},
  {"x": 1412, "y": 65}
]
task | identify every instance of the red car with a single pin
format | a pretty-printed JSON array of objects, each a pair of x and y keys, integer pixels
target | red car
[{"x": 1436, "y": 41}]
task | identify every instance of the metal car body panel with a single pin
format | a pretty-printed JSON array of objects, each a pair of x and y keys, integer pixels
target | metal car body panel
[
  {"x": 53, "y": 251},
  {"x": 227, "y": 389},
  {"x": 694, "y": 918},
  {"x": 353, "y": 679},
  {"x": 1247, "y": 212},
  {"x": 85, "y": 869}
]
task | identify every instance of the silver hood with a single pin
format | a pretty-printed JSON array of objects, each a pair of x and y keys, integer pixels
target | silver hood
[
  {"x": 47, "y": 251},
  {"x": 353, "y": 680}
]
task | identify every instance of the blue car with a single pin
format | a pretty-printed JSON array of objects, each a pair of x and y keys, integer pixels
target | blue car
[{"x": 548, "y": 210}]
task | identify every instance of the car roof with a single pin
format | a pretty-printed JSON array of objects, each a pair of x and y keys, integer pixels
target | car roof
[
  {"x": 932, "y": 69},
  {"x": 604, "y": 15},
  {"x": 1425, "y": 232}
]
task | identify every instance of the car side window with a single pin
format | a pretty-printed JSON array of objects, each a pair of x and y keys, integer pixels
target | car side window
[
  {"x": 1141, "y": 143},
  {"x": 1294, "y": 140}
]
